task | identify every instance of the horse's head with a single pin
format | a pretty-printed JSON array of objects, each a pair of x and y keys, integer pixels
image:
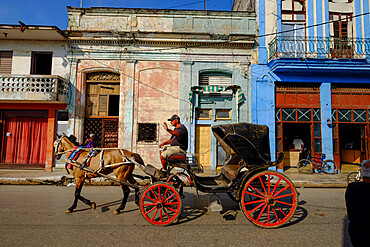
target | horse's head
[
  {"x": 59, "y": 148},
  {"x": 64, "y": 144}
]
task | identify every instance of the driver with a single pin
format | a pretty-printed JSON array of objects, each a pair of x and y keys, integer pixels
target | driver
[{"x": 178, "y": 143}]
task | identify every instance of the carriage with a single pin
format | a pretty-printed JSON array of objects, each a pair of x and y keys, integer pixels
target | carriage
[{"x": 266, "y": 197}]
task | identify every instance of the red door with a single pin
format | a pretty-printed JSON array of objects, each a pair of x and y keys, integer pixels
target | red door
[{"x": 25, "y": 139}]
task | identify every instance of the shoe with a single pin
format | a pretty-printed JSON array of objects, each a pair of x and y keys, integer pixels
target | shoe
[{"x": 162, "y": 173}]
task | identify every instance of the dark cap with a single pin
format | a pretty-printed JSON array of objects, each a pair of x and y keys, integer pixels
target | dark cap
[{"x": 174, "y": 117}]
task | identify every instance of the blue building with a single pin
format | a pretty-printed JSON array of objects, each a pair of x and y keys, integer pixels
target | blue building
[{"x": 311, "y": 80}]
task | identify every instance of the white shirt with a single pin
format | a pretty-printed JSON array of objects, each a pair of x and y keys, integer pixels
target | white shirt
[{"x": 298, "y": 143}]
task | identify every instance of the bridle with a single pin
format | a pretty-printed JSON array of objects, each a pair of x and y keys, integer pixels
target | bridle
[{"x": 56, "y": 146}]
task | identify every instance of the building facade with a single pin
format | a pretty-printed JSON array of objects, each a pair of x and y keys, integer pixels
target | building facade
[
  {"x": 132, "y": 69},
  {"x": 33, "y": 88},
  {"x": 312, "y": 79}
]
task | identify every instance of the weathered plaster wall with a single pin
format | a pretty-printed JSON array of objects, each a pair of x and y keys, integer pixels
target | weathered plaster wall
[
  {"x": 146, "y": 20},
  {"x": 156, "y": 100}
]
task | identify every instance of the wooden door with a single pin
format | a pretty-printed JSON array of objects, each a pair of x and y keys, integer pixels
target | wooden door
[{"x": 203, "y": 145}]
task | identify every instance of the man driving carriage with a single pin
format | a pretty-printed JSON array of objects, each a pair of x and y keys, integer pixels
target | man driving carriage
[{"x": 178, "y": 143}]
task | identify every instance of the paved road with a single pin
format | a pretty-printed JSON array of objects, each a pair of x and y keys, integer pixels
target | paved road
[{"x": 34, "y": 216}]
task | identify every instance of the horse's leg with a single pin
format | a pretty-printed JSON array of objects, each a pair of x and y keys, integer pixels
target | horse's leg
[
  {"x": 79, "y": 185},
  {"x": 137, "y": 194},
  {"x": 126, "y": 192}
]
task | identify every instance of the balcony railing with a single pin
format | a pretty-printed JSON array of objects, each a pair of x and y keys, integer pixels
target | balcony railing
[
  {"x": 35, "y": 88},
  {"x": 319, "y": 47}
]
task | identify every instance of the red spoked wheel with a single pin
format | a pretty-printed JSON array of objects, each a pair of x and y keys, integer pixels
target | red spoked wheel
[
  {"x": 269, "y": 199},
  {"x": 160, "y": 204}
]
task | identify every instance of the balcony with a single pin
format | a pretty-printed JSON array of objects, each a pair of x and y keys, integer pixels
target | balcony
[
  {"x": 319, "y": 47},
  {"x": 33, "y": 88}
]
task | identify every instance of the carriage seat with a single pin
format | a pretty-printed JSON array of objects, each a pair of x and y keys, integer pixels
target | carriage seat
[
  {"x": 177, "y": 158},
  {"x": 230, "y": 171}
]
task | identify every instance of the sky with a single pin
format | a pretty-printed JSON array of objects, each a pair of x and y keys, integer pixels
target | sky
[{"x": 54, "y": 12}]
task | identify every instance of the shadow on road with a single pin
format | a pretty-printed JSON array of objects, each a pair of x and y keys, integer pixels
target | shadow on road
[
  {"x": 194, "y": 210},
  {"x": 299, "y": 215}
]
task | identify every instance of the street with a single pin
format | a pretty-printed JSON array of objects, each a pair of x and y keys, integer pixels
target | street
[{"x": 35, "y": 216}]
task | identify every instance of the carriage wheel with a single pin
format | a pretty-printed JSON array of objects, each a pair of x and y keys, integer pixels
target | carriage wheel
[
  {"x": 160, "y": 204},
  {"x": 269, "y": 199}
]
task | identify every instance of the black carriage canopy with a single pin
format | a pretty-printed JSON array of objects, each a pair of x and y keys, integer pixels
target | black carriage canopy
[{"x": 249, "y": 141}]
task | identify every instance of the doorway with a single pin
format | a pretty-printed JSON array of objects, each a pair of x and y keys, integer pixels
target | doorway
[
  {"x": 351, "y": 145},
  {"x": 25, "y": 138},
  {"x": 203, "y": 145},
  {"x": 296, "y": 136},
  {"x": 294, "y": 131}
]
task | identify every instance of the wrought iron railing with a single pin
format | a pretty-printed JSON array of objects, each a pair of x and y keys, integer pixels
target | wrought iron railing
[
  {"x": 319, "y": 47},
  {"x": 33, "y": 88}
]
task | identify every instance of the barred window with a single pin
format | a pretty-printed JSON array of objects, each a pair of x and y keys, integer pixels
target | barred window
[{"x": 147, "y": 132}]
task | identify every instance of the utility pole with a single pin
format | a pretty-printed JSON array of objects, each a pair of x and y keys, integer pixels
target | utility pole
[
  {"x": 205, "y": 5},
  {"x": 81, "y": 4}
]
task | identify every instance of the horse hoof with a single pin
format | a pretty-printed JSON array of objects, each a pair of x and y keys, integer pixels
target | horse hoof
[
  {"x": 93, "y": 205},
  {"x": 68, "y": 211},
  {"x": 116, "y": 212}
]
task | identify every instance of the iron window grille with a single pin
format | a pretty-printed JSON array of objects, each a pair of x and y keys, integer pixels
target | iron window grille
[{"x": 147, "y": 133}]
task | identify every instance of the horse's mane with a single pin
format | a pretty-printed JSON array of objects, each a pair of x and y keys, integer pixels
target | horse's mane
[{"x": 73, "y": 139}]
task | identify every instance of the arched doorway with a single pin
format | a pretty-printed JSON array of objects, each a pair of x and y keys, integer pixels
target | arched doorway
[{"x": 102, "y": 107}]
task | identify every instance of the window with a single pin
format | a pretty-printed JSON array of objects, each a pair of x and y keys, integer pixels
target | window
[
  {"x": 203, "y": 114},
  {"x": 148, "y": 132},
  {"x": 102, "y": 94},
  {"x": 222, "y": 114},
  {"x": 6, "y": 62},
  {"x": 293, "y": 10},
  {"x": 215, "y": 79},
  {"x": 108, "y": 105},
  {"x": 293, "y": 14},
  {"x": 341, "y": 23},
  {"x": 41, "y": 63},
  {"x": 62, "y": 116}
]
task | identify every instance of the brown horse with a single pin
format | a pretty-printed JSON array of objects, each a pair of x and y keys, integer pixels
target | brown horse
[{"x": 123, "y": 172}]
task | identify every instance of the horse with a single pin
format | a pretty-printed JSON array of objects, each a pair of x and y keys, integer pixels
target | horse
[{"x": 123, "y": 172}]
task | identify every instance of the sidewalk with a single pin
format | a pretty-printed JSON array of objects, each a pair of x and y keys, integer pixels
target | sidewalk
[{"x": 60, "y": 177}]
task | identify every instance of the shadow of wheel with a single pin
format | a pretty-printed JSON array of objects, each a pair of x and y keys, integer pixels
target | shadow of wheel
[{"x": 269, "y": 199}]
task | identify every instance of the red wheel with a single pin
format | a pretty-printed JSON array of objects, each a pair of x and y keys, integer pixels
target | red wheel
[
  {"x": 269, "y": 199},
  {"x": 160, "y": 204}
]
